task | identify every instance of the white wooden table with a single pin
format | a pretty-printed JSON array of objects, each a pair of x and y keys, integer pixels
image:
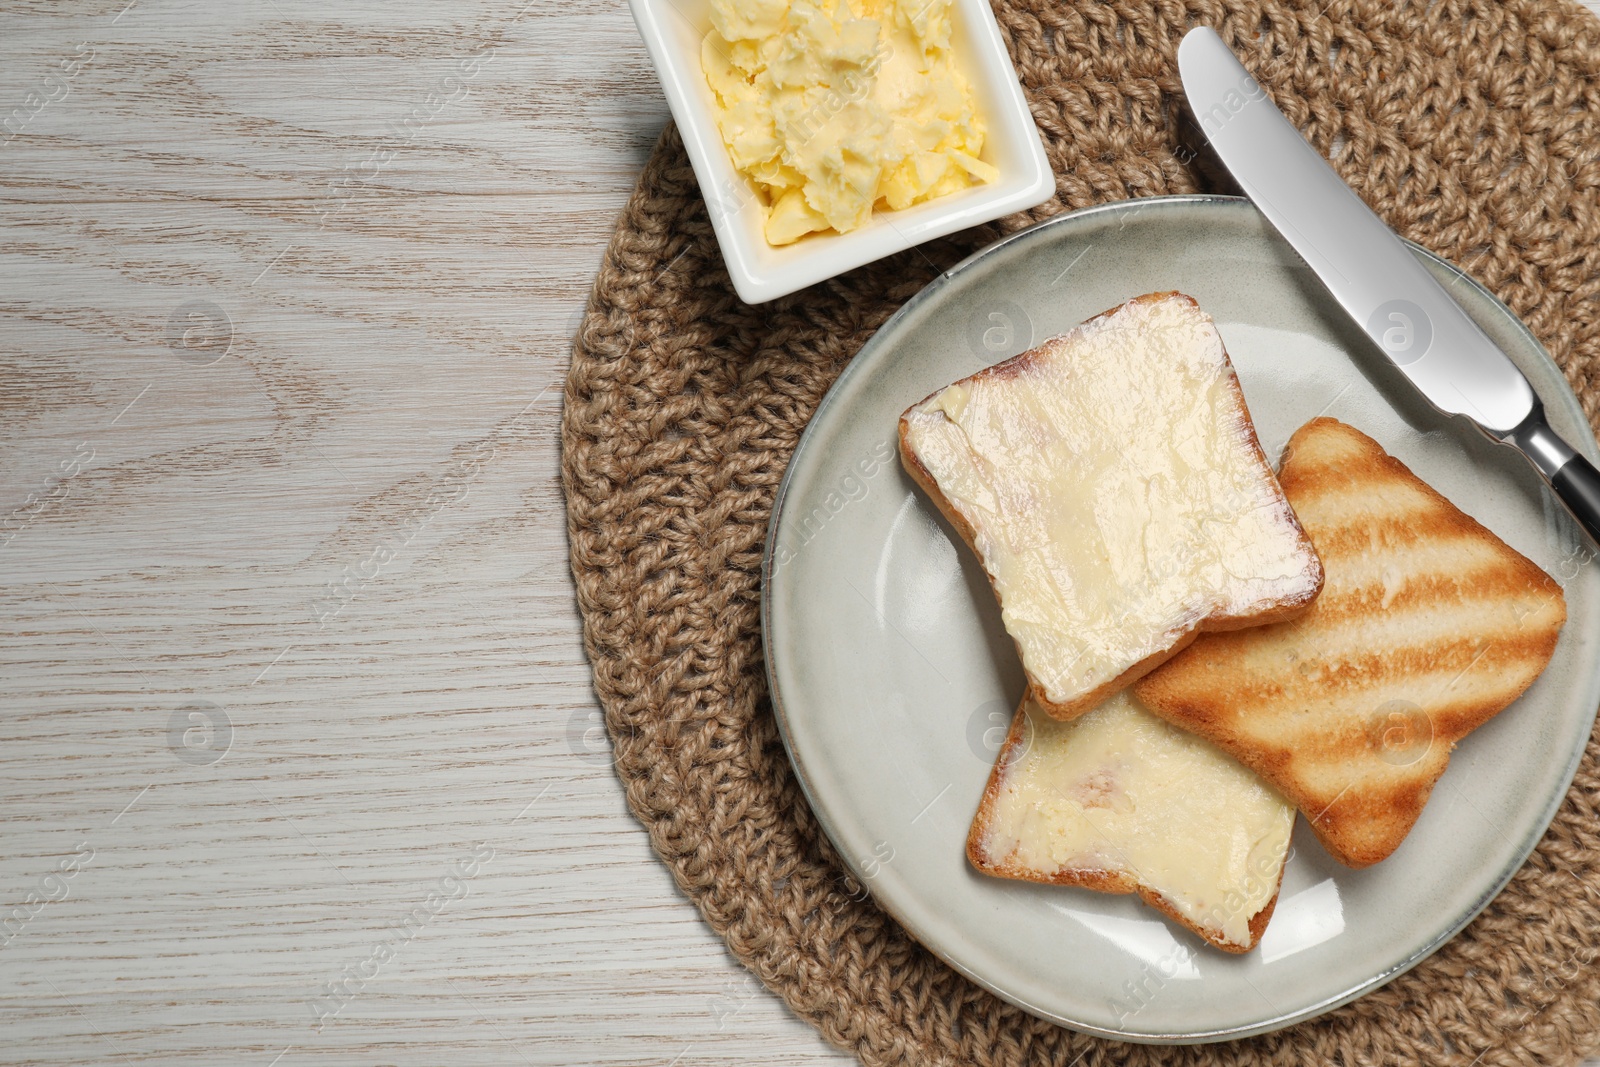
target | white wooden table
[{"x": 299, "y": 761}]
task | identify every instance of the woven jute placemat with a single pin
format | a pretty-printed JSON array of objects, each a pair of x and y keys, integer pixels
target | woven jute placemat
[{"x": 1473, "y": 127}]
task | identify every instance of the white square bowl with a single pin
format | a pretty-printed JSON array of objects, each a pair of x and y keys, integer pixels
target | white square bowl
[{"x": 672, "y": 32}]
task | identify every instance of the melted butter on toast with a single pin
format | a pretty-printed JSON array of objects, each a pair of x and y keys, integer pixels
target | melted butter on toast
[
  {"x": 1119, "y": 792},
  {"x": 1116, "y": 494}
]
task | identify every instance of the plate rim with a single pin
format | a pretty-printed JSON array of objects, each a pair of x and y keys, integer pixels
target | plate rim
[{"x": 1587, "y": 446}]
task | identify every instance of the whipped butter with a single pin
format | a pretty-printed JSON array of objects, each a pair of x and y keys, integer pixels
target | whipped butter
[
  {"x": 835, "y": 107},
  {"x": 1115, "y": 493},
  {"x": 1121, "y": 791}
]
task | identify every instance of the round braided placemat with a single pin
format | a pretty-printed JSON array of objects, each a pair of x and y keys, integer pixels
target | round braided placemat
[{"x": 1472, "y": 126}]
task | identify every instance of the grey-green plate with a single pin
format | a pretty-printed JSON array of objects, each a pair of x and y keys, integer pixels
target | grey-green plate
[{"x": 893, "y": 679}]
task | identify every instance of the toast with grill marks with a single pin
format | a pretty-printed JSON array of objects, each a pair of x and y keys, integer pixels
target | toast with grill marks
[{"x": 1427, "y": 626}]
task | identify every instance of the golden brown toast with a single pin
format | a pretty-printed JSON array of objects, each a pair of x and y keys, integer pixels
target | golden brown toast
[
  {"x": 1427, "y": 626},
  {"x": 1120, "y": 802},
  {"x": 1112, "y": 486}
]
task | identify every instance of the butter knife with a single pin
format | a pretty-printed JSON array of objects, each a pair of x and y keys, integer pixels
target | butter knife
[{"x": 1371, "y": 273}]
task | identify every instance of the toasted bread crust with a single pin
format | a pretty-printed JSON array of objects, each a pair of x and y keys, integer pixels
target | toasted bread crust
[
  {"x": 1100, "y": 881},
  {"x": 1221, "y": 621},
  {"x": 1255, "y": 694}
]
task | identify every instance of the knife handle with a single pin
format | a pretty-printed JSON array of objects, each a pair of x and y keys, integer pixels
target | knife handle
[
  {"x": 1577, "y": 483},
  {"x": 1574, "y": 478}
]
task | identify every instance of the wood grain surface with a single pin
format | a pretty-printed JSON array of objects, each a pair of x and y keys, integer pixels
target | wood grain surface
[
  {"x": 299, "y": 762},
  {"x": 300, "y": 758}
]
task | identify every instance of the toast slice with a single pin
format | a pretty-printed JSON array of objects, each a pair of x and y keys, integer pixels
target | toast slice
[
  {"x": 1428, "y": 626},
  {"x": 1120, "y": 802},
  {"x": 1112, "y": 486}
]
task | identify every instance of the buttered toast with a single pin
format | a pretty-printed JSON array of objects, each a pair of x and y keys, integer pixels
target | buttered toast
[
  {"x": 1121, "y": 802},
  {"x": 1111, "y": 483},
  {"x": 1427, "y": 626}
]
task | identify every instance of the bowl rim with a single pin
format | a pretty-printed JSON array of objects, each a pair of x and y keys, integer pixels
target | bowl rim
[{"x": 832, "y": 254}]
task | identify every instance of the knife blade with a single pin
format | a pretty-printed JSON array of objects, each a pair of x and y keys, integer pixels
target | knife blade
[{"x": 1369, "y": 271}]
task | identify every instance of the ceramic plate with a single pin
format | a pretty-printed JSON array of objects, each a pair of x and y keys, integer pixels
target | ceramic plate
[{"x": 893, "y": 679}]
